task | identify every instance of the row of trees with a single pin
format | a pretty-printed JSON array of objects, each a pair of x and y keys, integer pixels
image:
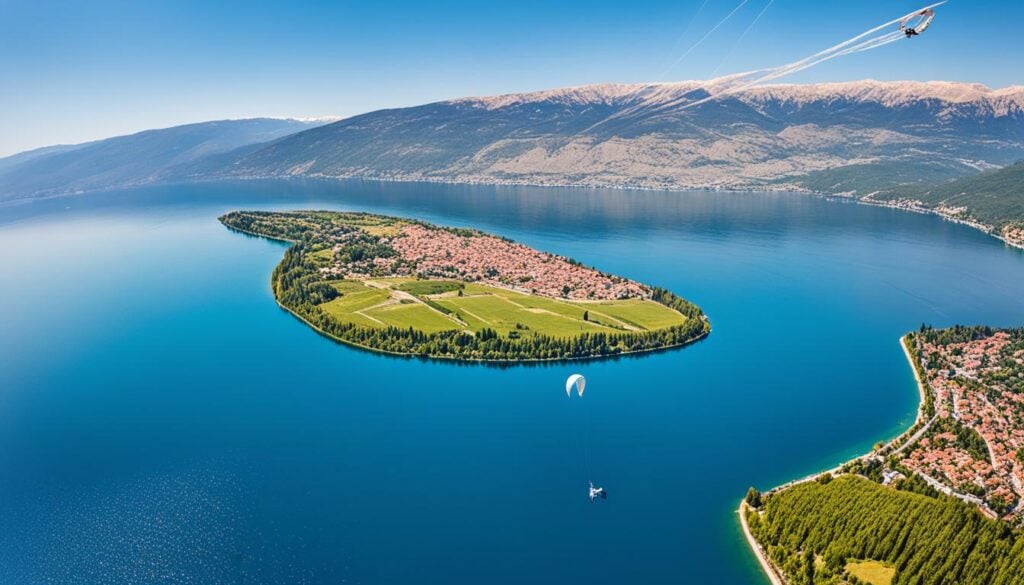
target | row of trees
[
  {"x": 812, "y": 530},
  {"x": 961, "y": 333},
  {"x": 298, "y": 286}
]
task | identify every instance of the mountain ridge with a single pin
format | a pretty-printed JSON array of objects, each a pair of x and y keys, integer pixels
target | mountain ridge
[
  {"x": 649, "y": 136},
  {"x": 849, "y": 138}
]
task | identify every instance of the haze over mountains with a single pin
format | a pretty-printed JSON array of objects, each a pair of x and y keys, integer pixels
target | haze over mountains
[
  {"x": 140, "y": 158},
  {"x": 854, "y": 137}
]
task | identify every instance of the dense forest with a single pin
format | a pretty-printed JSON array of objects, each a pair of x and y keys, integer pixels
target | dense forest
[
  {"x": 299, "y": 286},
  {"x": 812, "y": 530}
]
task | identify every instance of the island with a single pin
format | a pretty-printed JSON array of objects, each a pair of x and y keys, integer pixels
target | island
[
  {"x": 939, "y": 504},
  {"x": 406, "y": 287}
]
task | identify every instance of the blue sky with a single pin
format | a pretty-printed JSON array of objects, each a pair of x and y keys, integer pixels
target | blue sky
[{"x": 75, "y": 71}]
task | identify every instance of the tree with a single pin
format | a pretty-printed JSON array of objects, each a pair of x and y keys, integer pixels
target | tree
[
  {"x": 753, "y": 498},
  {"x": 809, "y": 565},
  {"x": 586, "y": 315}
]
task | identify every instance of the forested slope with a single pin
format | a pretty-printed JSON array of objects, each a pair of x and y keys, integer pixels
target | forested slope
[{"x": 812, "y": 530}]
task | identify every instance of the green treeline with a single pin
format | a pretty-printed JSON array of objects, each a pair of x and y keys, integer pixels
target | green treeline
[
  {"x": 299, "y": 287},
  {"x": 957, "y": 333},
  {"x": 812, "y": 530}
]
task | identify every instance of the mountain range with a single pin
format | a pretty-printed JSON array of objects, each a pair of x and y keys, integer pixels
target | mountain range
[{"x": 851, "y": 138}]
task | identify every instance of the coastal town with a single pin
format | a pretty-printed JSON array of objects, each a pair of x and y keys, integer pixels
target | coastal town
[
  {"x": 967, "y": 444},
  {"x": 974, "y": 448},
  {"x": 357, "y": 246},
  {"x": 430, "y": 252}
]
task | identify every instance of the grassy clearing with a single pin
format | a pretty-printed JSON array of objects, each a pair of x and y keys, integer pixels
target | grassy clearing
[
  {"x": 538, "y": 315},
  {"x": 355, "y": 297},
  {"x": 415, "y": 315},
  {"x": 872, "y": 572},
  {"x": 430, "y": 287},
  {"x": 385, "y": 301},
  {"x": 635, "y": 312}
]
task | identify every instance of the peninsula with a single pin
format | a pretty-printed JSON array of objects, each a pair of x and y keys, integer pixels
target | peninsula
[
  {"x": 941, "y": 503},
  {"x": 406, "y": 287}
]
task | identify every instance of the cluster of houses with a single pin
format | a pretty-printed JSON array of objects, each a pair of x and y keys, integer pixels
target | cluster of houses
[
  {"x": 1014, "y": 235},
  {"x": 969, "y": 384},
  {"x": 475, "y": 257}
]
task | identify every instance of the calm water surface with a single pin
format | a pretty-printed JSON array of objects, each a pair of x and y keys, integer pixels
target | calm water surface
[{"x": 162, "y": 421}]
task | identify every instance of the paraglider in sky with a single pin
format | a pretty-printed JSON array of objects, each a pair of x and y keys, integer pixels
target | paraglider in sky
[
  {"x": 575, "y": 381},
  {"x": 914, "y": 24},
  {"x": 579, "y": 383}
]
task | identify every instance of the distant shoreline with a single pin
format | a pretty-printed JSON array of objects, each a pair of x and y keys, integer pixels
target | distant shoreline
[
  {"x": 981, "y": 227},
  {"x": 780, "y": 188}
]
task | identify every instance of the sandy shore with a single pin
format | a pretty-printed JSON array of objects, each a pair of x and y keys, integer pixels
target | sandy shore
[
  {"x": 917, "y": 376},
  {"x": 766, "y": 565}
]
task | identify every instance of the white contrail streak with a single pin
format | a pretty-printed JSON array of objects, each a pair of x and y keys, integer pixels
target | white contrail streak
[
  {"x": 865, "y": 41},
  {"x": 689, "y": 23},
  {"x": 703, "y": 38},
  {"x": 740, "y": 39},
  {"x": 862, "y": 42}
]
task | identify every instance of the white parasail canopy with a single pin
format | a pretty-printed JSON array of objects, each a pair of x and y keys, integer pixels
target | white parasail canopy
[{"x": 577, "y": 381}]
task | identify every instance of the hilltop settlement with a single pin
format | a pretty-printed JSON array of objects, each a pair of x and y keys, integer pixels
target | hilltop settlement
[{"x": 407, "y": 287}]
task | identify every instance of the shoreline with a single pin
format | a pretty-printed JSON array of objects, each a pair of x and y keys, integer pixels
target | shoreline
[
  {"x": 762, "y": 558},
  {"x": 769, "y": 569},
  {"x": 977, "y": 225},
  {"x": 921, "y": 391}
]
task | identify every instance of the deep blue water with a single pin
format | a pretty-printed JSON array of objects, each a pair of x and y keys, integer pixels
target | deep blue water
[{"x": 163, "y": 421}]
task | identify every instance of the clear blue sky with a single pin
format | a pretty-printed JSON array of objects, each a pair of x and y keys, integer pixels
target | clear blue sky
[{"x": 75, "y": 71}]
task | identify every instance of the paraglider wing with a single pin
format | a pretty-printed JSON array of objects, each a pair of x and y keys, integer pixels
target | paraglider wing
[
  {"x": 577, "y": 381},
  {"x": 915, "y": 24},
  {"x": 929, "y": 15}
]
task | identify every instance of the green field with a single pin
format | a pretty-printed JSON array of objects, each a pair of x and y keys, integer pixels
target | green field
[
  {"x": 872, "y": 572},
  {"x": 433, "y": 306}
]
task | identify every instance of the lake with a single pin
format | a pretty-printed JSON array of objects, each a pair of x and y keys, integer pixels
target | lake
[{"x": 163, "y": 421}]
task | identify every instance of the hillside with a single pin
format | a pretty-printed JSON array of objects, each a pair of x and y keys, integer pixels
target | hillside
[
  {"x": 820, "y": 531},
  {"x": 138, "y": 158},
  {"x": 845, "y": 138},
  {"x": 840, "y": 138},
  {"x": 993, "y": 198}
]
